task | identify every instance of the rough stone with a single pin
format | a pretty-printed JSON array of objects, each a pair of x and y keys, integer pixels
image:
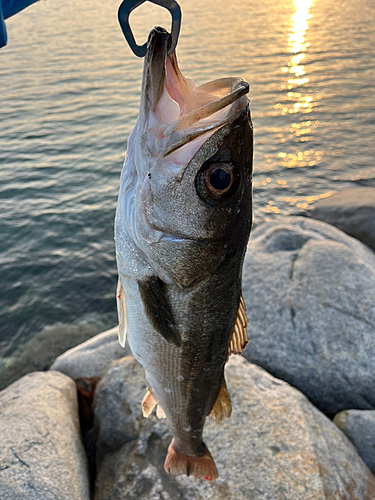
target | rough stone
[
  {"x": 41, "y": 452},
  {"x": 309, "y": 291},
  {"x": 352, "y": 211},
  {"x": 91, "y": 358},
  {"x": 359, "y": 426},
  {"x": 39, "y": 352},
  {"x": 275, "y": 446},
  {"x": 116, "y": 406}
]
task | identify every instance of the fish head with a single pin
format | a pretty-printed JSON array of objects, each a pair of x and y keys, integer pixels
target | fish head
[{"x": 188, "y": 168}]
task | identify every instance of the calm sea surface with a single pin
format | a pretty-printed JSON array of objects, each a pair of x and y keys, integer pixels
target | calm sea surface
[{"x": 69, "y": 97}]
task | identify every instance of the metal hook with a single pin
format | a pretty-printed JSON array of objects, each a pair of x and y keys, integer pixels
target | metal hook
[{"x": 128, "y": 6}]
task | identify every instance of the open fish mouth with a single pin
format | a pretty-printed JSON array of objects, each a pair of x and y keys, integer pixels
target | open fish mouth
[{"x": 176, "y": 111}]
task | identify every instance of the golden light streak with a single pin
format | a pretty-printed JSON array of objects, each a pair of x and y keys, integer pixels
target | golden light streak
[
  {"x": 300, "y": 26},
  {"x": 296, "y": 101}
]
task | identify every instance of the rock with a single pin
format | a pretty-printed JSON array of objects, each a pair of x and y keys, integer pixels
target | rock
[
  {"x": 41, "y": 452},
  {"x": 91, "y": 358},
  {"x": 275, "y": 446},
  {"x": 42, "y": 350},
  {"x": 309, "y": 290},
  {"x": 359, "y": 426},
  {"x": 352, "y": 211},
  {"x": 120, "y": 391}
]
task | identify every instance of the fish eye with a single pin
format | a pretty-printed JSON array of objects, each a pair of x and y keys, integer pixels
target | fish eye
[
  {"x": 217, "y": 182},
  {"x": 220, "y": 179}
]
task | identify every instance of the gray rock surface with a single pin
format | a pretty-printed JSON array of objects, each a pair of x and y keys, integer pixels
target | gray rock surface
[
  {"x": 352, "y": 211},
  {"x": 359, "y": 426},
  {"x": 275, "y": 446},
  {"x": 41, "y": 451},
  {"x": 309, "y": 291},
  {"x": 42, "y": 350},
  {"x": 91, "y": 358}
]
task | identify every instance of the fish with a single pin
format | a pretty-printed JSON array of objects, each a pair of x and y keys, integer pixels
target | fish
[{"x": 182, "y": 224}]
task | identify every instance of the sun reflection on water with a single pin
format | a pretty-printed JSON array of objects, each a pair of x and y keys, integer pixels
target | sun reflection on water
[
  {"x": 296, "y": 69},
  {"x": 297, "y": 103}
]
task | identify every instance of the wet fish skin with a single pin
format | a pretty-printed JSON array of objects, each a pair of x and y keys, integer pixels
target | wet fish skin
[{"x": 180, "y": 255}]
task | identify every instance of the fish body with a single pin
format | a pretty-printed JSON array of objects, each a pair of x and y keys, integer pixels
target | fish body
[{"x": 182, "y": 224}]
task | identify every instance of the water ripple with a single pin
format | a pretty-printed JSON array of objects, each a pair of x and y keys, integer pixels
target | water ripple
[{"x": 70, "y": 96}]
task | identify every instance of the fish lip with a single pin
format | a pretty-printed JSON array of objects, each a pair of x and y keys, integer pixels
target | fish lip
[
  {"x": 175, "y": 238},
  {"x": 154, "y": 77}
]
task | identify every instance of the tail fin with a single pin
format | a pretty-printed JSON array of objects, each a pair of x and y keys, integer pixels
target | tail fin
[{"x": 200, "y": 467}]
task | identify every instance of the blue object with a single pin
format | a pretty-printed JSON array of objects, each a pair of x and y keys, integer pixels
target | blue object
[
  {"x": 7, "y": 9},
  {"x": 3, "y": 31}
]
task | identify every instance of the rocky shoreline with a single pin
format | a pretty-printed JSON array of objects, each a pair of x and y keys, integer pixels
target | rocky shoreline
[{"x": 303, "y": 421}]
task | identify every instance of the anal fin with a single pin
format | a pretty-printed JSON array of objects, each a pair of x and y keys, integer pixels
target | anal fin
[
  {"x": 238, "y": 337},
  {"x": 200, "y": 467},
  {"x": 222, "y": 407},
  {"x": 148, "y": 404},
  {"x": 160, "y": 412}
]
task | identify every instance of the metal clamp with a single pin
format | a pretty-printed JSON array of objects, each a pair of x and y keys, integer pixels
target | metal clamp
[{"x": 128, "y": 6}]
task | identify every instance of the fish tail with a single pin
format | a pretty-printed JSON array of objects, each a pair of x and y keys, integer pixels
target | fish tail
[{"x": 200, "y": 467}]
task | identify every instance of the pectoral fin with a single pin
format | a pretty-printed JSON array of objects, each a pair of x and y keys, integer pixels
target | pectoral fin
[
  {"x": 223, "y": 407},
  {"x": 121, "y": 313},
  {"x": 238, "y": 338},
  {"x": 158, "y": 310}
]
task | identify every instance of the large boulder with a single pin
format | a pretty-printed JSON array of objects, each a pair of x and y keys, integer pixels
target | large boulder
[
  {"x": 91, "y": 358},
  {"x": 351, "y": 210},
  {"x": 276, "y": 445},
  {"x": 309, "y": 291},
  {"x": 359, "y": 426},
  {"x": 41, "y": 452}
]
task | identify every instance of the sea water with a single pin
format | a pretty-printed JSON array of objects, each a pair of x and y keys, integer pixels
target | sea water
[{"x": 70, "y": 90}]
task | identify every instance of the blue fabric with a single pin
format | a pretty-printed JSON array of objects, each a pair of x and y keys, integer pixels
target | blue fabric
[
  {"x": 7, "y": 9},
  {"x": 12, "y": 7},
  {"x": 3, "y": 30}
]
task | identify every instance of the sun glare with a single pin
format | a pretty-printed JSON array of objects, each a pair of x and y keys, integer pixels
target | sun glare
[
  {"x": 297, "y": 103},
  {"x": 297, "y": 41},
  {"x": 296, "y": 100}
]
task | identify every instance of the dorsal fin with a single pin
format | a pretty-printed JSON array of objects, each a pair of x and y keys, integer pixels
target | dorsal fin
[
  {"x": 238, "y": 337},
  {"x": 158, "y": 310},
  {"x": 121, "y": 313}
]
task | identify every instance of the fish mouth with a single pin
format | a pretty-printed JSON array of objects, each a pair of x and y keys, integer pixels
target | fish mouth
[{"x": 175, "y": 110}]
